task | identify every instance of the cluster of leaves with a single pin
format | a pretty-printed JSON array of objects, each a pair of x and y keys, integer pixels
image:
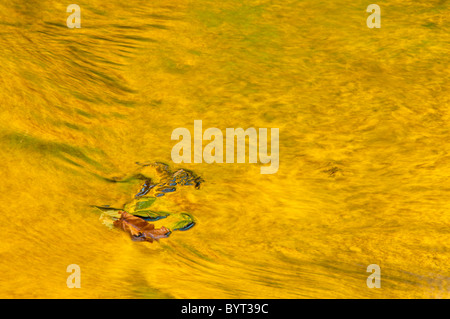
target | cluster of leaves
[{"x": 136, "y": 215}]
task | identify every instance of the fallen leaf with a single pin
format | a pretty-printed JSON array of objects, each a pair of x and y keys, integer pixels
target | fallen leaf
[
  {"x": 139, "y": 204},
  {"x": 139, "y": 229},
  {"x": 184, "y": 222}
]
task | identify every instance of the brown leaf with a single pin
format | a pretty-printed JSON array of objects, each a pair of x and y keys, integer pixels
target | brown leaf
[{"x": 139, "y": 229}]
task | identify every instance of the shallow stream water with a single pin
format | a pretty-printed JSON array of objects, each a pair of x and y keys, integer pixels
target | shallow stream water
[{"x": 364, "y": 143}]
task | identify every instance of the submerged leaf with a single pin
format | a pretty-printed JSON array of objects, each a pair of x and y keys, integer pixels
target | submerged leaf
[
  {"x": 186, "y": 222},
  {"x": 107, "y": 220},
  {"x": 150, "y": 215},
  {"x": 139, "y": 204},
  {"x": 139, "y": 229},
  {"x": 108, "y": 216}
]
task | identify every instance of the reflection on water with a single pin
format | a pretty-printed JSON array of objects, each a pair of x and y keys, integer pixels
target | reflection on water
[{"x": 364, "y": 147}]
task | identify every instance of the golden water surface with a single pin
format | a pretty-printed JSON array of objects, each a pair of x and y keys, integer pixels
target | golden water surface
[{"x": 364, "y": 173}]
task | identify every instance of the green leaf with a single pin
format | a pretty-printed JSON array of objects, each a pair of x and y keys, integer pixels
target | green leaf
[
  {"x": 185, "y": 222},
  {"x": 151, "y": 215},
  {"x": 139, "y": 204}
]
